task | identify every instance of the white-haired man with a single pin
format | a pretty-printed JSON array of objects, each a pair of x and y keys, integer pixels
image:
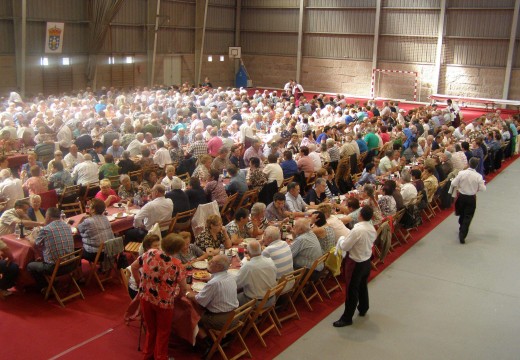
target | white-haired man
[
  {"x": 306, "y": 247},
  {"x": 256, "y": 276},
  {"x": 278, "y": 251}
]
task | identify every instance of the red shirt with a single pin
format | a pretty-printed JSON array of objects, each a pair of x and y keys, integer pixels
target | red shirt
[
  {"x": 160, "y": 278},
  {"x": 385, "y": 137},
  {"x": 214, "y": 145},
  {"x": 103, "y": 197}
]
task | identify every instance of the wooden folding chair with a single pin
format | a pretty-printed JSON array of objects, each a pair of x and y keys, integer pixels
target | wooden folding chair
[
  {"x": 310, "y": 181},
  {"x": 125, "y": 277},
  {"x": 233, "y": 325},
  {"x": 286, "y": 182},
  {"x": 133, "y": 247},
  {"x": 326, "y": 278},
  {"x": 399, "y": 230},
  {"x": 376, "y": 258},
  {"x": 263, "y": 313},
  {"x": 70, "y": 194},
  {"x": 227, "y": 212},
  {"x": 71, "y": 209},
  {"x": 182, "y": 221},
  {"x": 114, "y": 180},
  {"x": 285, "y": 299},
  {"x": 94, "y": 267},
  {"x": 248, "y": 199},
  {"x": 307, "y": 283},
  {"x": 72, "y": 260},
  {"x": 355, "y": 177},
  {"x": 90, "y": 191},
  {"x": 185, "y": 177},
  {"x": 136, "y": 175}
]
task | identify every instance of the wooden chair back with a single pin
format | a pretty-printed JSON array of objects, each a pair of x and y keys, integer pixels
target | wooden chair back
[
  {"x": 90, "y": 191},
  {"x": 185, "y": 177},
  {"x": 313, "y": 292},
  {"x": 182, "y": 221},
  {"x": 71, "y": 209},
  {"x": 226, "y": 213},
  {"x": 248, "y": 199},
  {"x": 136, "y": 175},
  {"x": 233, "y": 325},
  {"x": 264, "y": 313},
  {"x": 65, "y": 260},
  {"x": 70, "y": 194}
]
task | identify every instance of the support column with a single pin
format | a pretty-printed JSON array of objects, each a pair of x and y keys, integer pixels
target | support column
[
  {"x": 438, "y": 53},
  {"x": 300, "y": 41},
  {"x": 201, "y": 14},
  {"x": 376, "y": 34},
  {"x": 20, "y": 41},
  {"x": 238, "y": 14},
  {"x": 510, "y": 51},
  {"x": 151, "y": 23}
]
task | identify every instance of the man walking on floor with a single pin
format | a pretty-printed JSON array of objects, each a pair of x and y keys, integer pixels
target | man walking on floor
[
  {"x": 359, "y": 244},
  {"x": 468, "y": 183}
]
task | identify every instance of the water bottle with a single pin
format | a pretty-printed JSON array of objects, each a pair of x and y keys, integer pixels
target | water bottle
[
  {"x": 413, "y": 160},
  {"x": 222, "y": 249},
  {"x": 137, "y": 200},
  {"x": 63, "y": 216}
]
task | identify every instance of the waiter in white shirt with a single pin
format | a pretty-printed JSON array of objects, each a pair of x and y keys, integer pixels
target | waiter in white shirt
[
  {"x": 357, "y": 265},
  {"x": 468, "y": 183}
]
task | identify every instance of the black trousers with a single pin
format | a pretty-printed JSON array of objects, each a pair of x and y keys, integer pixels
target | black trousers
[
  {"x": 9, "y": 272},
  {"x": 356, "y": 275},
  {"x": 465, "y": 206}
]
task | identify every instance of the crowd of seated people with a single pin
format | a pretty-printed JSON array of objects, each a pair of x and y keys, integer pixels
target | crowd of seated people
[{"x": 228, "y": 142}]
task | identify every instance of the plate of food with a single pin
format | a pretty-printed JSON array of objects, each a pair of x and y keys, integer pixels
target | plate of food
[
  {"x": 120, "y": 215},
  {"x": 233, "y": 272},
  {"x": 201, "y": 275},
  {"x": 201, "y": 265},
  {"x": 198, "y": 286},
  {"x": 118, "y": 205}
]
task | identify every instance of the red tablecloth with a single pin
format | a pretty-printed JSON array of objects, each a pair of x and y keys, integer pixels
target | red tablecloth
[
  {"x": 118, "y": 225},
  {"x": 16, "y": 160},
  {"x": 23, "y": 254}
]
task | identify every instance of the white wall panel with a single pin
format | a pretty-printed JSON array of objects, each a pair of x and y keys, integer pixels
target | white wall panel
[
  {"x": 6, "y": 37},
  {"x": 269, "y": 44},
  {"x": 478, "y": 23},
  {"x": 179, "y": 14},
  {"x": 408, "y": 22},
  {"x": 341, "y": 47},
  {"x": 478, "y": 52},
  {"x": 269, "y": 19},
  {"x": 411, "y": 3},
  {"x": 421, "y": 50},
  {"x": 132, "y": 12},
  {"x": 342, "y": 3},
  {"x": 357, "y": 22},
  {"x": 480, "y": 3},
  {"x": 176, "y": 41}
]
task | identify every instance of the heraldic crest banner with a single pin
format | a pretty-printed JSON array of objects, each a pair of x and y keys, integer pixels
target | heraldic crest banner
[{"x": 54, "y": 37}]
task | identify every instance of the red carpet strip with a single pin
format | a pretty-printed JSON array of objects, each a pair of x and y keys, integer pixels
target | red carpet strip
[{"x": 94, "y": 329}]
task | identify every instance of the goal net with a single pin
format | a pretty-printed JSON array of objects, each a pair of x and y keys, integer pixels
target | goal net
[{"x": 395, "y": 84}]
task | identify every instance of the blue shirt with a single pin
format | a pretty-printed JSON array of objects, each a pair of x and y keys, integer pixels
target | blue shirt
[
  {"x": 289, "y": 168},
  {"x": 348, "y": 119},
  {"x": 362, "y": 145},
  {"x": 321, "y": 137}
]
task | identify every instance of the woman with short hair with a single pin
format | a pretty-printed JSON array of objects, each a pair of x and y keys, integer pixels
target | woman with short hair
[{"x": 162, "y": 279}]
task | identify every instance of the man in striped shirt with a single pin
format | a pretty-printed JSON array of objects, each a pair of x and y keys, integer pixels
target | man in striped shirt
[{"x": 280, "y": 252}]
